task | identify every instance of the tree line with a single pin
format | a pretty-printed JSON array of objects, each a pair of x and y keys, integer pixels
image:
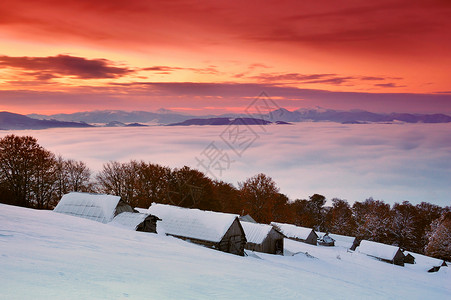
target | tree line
[{"x": 32, "y": 176}]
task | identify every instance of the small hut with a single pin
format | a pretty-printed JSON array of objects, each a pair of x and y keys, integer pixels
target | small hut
[
  {"x": 424, "y": 262},
  {"x": 437, "y": 268},
  {"x": 409, "y": 259},
  {"x": 434, "y": 269},
  {"x": 387, "y": 253},
  {"x": 297, "y": 233},
  {"x": 136, "y": 221},
  {"x": 215, "y": 230},
  {"x": 355, "y": 244},
  {"x": 324, "y": 239},
  {"x": 97, "y": 207},
  {"x": 343, "y": 240},
  {"x": 263, "y": 238}
]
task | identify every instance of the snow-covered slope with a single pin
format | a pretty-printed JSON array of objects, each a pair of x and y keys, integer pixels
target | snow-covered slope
[{"x": 46, "y": 255}]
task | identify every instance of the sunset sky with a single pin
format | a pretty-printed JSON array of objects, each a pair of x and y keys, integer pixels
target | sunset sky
[{"x": 216, "y": 56}]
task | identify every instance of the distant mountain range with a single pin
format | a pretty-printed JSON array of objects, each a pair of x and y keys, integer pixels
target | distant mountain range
[
  {"x": 352, "y": 117},
  {"x": 118, "y": 118},
  {"x": 120, "y": 124},
  {"x": 225, "y": 121},
  {"x": 164, "y": 117},
  {"x": 10, "y": 121}
]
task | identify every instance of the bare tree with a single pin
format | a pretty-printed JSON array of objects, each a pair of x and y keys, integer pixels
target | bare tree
[
  {"x": 439, "y": 244},
  {"x": 25, "y": 170},
  {"x": 191, "y": 188},
  {"x": 152, "y": 184},
  {"x": 44, "y": 180},
  {"x": 259, "y": 195},
  {"x": 111, "y": 180},
  {"x": 73, "y": 176},
  {"x": 373, "y": 220},
  {"x": 137, "y": 183},
  {"x": 339, "y": 218},
  {"x": 404, "y": 226},
  {"x": 78, "y": 176}
]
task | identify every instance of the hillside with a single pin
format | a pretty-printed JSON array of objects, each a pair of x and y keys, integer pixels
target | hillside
[
  {"x": 222, "y": 121},
  {"x": 46, "y": 255},
  {"x": 9, "y": 121},
  {"x": 352, "y": 117},
  {"x": 316, "y": 114},
  {"x": 162, "y": 116}
]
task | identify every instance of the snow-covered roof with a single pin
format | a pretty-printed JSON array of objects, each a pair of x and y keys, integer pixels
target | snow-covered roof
[
  {"x": 247, "y": 218},
  {"x": 322, "y": 234},
  {"x": 129, "y": 220},
  {"x": 342, "y": 240},
  {"x": 192, "y": 223},
  {"x": 293, "y": 231},
  {"x": 142, "y": 210},
  {"x": 378, "y": 250},
  {"x": 423, "y": 262},
  {"x": 256, "y": 233},
  {"x": 95, "y": 207}
]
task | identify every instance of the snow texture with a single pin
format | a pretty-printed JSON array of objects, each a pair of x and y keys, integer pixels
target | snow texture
[
  {"x": 129, "y": 220},
  {"x": 46, "y": 255},
  {"x": 255, "y": 233},
  {"x": 378, "y": 250},
  {"x": 96, "y": 207},
  {"x": 342, "y": 240},
  {"x": 142, "y": 210},
  {"x": 292, "y": 231},
  {"x": 192, "y": 223},
  {"x": 424, "y": 263}
]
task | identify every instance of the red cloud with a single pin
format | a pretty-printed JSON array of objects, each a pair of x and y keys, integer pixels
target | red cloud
[
  {"x": 45, "y": 68},
  {"x": 399, "y": 23}
]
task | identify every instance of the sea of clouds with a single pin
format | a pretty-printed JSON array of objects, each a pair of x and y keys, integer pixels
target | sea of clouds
[{"x": 390, "y": 162}]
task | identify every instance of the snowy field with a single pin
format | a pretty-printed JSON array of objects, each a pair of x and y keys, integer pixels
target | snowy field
[
  {"x": 390, "y": 162},
  {"x": 46, "y": 255}
]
